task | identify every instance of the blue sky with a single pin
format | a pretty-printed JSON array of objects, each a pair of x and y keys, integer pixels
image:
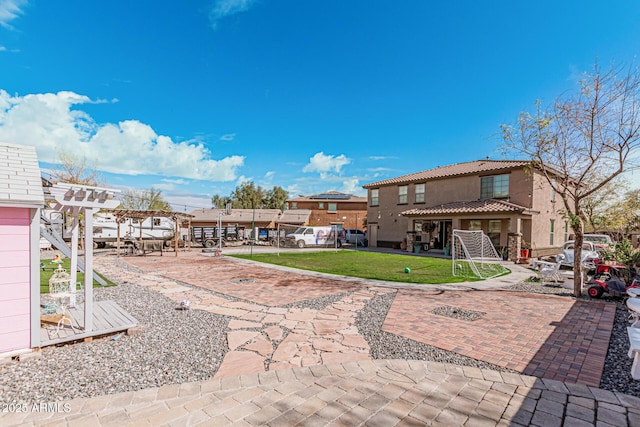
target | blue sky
[{"x": 198, "y": 96}]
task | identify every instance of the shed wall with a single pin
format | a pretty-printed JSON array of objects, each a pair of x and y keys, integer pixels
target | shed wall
[{"x": 15, "y": 279}]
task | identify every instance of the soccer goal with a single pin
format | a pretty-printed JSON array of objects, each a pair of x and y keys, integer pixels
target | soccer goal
[{"x": 474, "y": 255}]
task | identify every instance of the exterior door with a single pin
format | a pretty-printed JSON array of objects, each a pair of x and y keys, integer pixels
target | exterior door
[{"x": 373, "y": 235}]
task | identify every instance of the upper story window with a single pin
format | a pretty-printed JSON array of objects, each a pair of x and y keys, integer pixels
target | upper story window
[
  {"x": 374, "y": 197},
  {"x": 294, "y": 205},
  {"x": 402, "y": 194},
  {"x": 320, "y": 205},
  {"x": 495, "y": 186},
  {"x": 419, "y": 193},
  {"x": 332, "y": 207}
]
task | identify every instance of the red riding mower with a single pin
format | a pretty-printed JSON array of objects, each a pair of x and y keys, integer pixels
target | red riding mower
[{"x": 613, "y": 279}]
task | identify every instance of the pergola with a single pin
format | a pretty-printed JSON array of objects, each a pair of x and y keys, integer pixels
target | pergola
[
  {"x": 77, "y": 199},
  {"x": 180, "y": 219}
]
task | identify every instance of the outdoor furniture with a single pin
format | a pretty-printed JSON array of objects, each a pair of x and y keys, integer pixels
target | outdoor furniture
[
  {"x": 550, "y": 270},
  {"x": 60, "y": 291},
  {"x": 634, "y": 351}
]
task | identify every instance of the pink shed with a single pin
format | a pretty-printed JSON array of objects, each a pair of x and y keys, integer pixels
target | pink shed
[{"x": 21, "y": 198}]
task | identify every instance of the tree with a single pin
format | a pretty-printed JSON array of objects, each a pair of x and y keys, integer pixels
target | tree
[
  {"x": 582, "y": 142},
  {"x": 623, "y": 216},
  {"x": 598, "y": 206},
  {"x": 148, "y": 200},
  {"x": 74, "y": 170},
  {"x": 248, "y": 196},
  {"x": 276, "y": 198},
  {"x": 220, "y": 202}
]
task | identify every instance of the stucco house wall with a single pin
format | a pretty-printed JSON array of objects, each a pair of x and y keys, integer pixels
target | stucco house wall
[{"x": 528, "y": 209}]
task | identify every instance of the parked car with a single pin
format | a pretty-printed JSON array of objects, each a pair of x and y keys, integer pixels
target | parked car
[
  {"x": 354, "y": 235},
  {"x": 590, "y": 254},
  {"x": 600, "y": 240}
]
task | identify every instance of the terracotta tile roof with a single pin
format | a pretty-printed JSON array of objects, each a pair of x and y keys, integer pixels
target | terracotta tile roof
[
  {"x": 467, "y": 168},
  {"x": 20, "y": 181},
  {"x": 475, "y": 206}
]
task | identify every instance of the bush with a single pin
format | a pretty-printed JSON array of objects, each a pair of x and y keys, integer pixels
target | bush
[{"x": 625, "y": 254}]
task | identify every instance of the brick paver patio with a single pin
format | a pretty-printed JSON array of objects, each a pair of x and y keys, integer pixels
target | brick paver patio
[
  {"x": 254, "y": 283},
  {"x": 546, "y": 336}
]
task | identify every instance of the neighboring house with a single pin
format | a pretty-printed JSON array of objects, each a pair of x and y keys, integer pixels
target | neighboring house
[
  {"x": 21, "y": 198},
  {"x": 509, "y": 200},
  {"x": 332, "y": 207}
]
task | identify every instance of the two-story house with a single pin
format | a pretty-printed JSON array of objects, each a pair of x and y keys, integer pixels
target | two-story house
[
  {"x": 510, "y": 200},
  {"x": 332, "y": 207}
]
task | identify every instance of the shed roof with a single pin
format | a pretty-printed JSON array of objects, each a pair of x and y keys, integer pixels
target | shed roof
[
  {"x": 295, "y": 216},
  {"x": 20, "y": 181},
  {"x": 458, "y": 169},
  {"x": 144, "y": 214},
  {"x": 237, "y": 215}
]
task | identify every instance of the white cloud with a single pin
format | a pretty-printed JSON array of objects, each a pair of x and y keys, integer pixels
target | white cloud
[
  {"x": 269, "y": 175},
  {"x": 224, "y": 8},
  {"x": 228, "y": 137},
  {"x": 351, "y": 186},
  {"x": 322, "y": 163},
  {"x": 10, "y": 10},
  {"x": 49, "y": 122}
]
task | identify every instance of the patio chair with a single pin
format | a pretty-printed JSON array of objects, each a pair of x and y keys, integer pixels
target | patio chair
[{"x": 551, "y": 270}]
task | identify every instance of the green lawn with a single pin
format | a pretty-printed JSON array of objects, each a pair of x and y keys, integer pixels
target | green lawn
[
  {"x": 49, "y": 268},
  {"x": 369, "y": 265}
]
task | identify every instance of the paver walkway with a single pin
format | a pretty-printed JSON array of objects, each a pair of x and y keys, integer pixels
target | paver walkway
[{"x": 373, "y": 393}]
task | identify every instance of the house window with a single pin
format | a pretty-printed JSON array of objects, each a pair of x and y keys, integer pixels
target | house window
[
  {"x": 402, "y": 194},
  {"x": 294, "y": 205},
  {"x": 332, "y": 207},
  {"x": 321, "y": 205},
  {"x": 419, "y": 193},
  {"x": 495, "y": 186},
  {"x": 493, "y": 231},
  {"x": 552, "y": 225},
  {"x": 374, "y": 197}
]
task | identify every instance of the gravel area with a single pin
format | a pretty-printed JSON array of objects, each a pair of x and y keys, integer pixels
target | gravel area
[
  {"x": 175, "y": 346},
  {"x": 178, "y": 346}
]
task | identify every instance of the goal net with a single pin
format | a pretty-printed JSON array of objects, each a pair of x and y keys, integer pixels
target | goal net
[{"x": 473, "y": 255}]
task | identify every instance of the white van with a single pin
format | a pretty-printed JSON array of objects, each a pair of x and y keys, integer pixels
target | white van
[{"x": 313, "y": 236}]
